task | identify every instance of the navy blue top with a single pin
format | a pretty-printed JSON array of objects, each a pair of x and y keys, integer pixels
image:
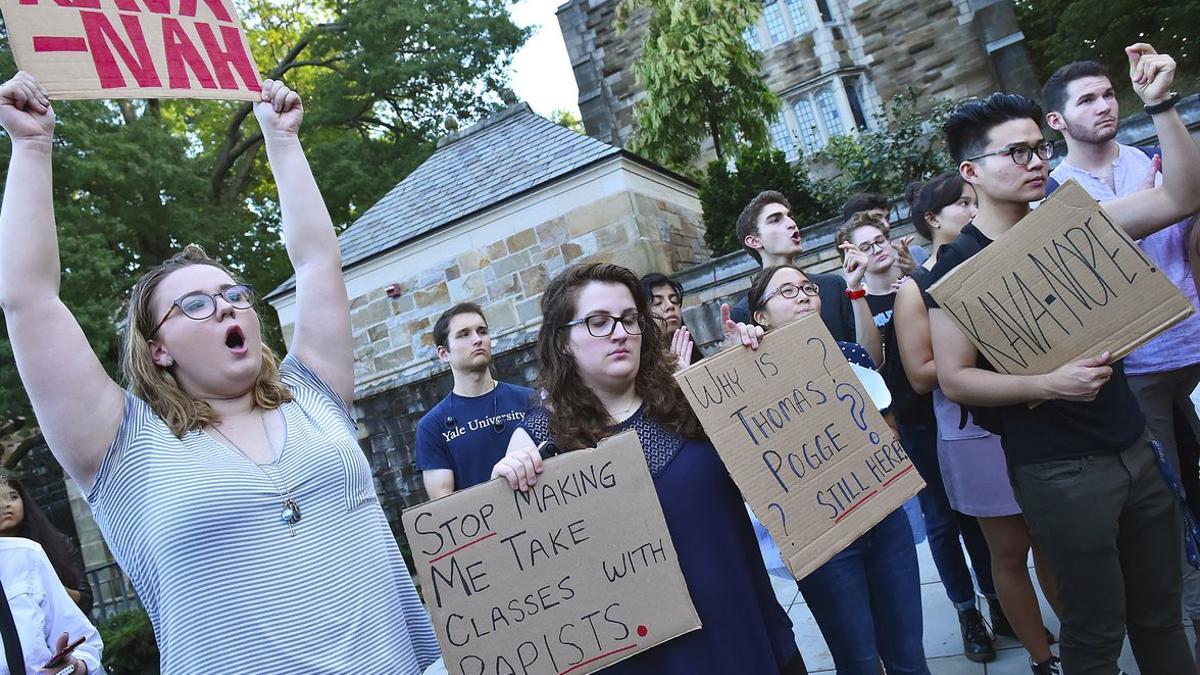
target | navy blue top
[
  {"x": 744, "y": 630},
  {"x": 469, "y": 434}
]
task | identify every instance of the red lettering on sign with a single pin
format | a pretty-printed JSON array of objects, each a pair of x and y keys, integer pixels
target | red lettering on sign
[
  {"x": 101, "y": 34},
  {"x": 182, "y": 56},
  {"x": 158, "y": 6},
  {"x": 47, "y": 43},
  {"x": 188, "y": 8},
  {"x": 74, "y": 4},
  {"x": 235, "y": 53}
]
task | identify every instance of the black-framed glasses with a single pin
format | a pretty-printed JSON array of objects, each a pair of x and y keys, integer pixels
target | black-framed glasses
[
  {"x": 879, "y": 242},
  {"x": 199, "y": 305},
  {"x": 604, "y": 325},
  {"x": 790, "y": 291},
  {"x": 1021, "y": 153}
]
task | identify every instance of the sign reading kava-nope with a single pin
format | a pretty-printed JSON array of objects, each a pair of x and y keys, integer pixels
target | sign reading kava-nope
[
  {"x": 79, "y": 49},
  {"x": 802, "y": 440},
  {"x": 572, "y": 576}
]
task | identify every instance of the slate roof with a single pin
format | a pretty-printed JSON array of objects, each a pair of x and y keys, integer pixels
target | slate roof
[{"x": 497, "y": 159}]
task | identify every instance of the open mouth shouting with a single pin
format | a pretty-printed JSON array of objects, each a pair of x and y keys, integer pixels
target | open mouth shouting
[{"x": 235, "y": 339}]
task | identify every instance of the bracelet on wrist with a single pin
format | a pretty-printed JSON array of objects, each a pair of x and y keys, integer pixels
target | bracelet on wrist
[
  {"x": 1164, "y": 105},
  {"x": 856, "y": 293}
]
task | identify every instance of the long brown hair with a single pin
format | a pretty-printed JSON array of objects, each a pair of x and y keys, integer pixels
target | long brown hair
[
  {"x": 156, "y": 385},
  {"x": 577, "y": 418}
]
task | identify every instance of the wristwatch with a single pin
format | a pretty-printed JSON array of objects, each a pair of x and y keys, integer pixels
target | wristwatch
[
  {"x": 854, "y": 295},
  {"x": 1164, "y": 105}
]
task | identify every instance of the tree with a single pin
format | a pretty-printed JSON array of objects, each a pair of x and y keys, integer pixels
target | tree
[
  {"x": 725, "y": 193},
  {"x": 701, "y": 78},
  {"x": 134, "y": 180}
]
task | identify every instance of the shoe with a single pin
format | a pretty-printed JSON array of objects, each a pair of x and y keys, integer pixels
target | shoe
[
  {"x": 977, "y": 643},
  {"x": 1000, "y": 624},
  {"x": 1052, "y": 666}
]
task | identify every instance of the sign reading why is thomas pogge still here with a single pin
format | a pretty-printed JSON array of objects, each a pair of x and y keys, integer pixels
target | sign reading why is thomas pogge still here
[
  {"x": 1063, "y": 284},
  {"x": 79, "y": 49},
  {"x": 572, "y": 576},
  {"x": 799, "y": 435}
]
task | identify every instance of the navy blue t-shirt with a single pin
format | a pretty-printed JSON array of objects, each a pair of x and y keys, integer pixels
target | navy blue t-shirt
[{"x": 469, "y": 434}]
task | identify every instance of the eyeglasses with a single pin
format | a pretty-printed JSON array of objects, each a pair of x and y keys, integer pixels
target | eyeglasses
[
  {"x": 791, "y": 291},
  {"x": 604, "y": 325},
  {"x": 879, "y": 242},
  {"x": 1021, "y": 153},
  {"x": 199, "y": 305}
]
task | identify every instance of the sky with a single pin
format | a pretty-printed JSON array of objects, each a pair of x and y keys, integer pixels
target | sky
[{"x": 541, "y": 70}]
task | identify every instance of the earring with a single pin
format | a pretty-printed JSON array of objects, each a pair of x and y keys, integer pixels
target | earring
[{"x": 169, "y": 362}]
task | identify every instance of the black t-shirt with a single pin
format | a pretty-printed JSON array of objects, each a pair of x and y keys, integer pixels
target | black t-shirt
[
  {"x": 910, "y": 407},
  {"x": 836, "y": 311},
  {"x": 1055, "y": 429}
]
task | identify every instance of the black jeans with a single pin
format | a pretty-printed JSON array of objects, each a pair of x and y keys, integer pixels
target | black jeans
[{"x": 1112, "y": 534}]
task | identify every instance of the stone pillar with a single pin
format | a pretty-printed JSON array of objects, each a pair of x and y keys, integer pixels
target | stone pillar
[{"x": 1008, "y": 54}]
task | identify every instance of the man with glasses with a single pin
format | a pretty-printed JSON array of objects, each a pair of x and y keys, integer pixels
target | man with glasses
[
  {"x": 1080, "y": 462},
  {"x": 666, "y": 304},
  {"x": 462, "y": 437}
]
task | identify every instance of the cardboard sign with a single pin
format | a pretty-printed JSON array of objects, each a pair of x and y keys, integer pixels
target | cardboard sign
[
  {"x": 570, "y": 577},
  {"x": 803, "y": 442},
  {"x": 133, "y": 48},
  {"x": 1063, "y": 284}
]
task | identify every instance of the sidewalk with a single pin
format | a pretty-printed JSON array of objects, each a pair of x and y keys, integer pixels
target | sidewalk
[{"x": 943, "y": 644}]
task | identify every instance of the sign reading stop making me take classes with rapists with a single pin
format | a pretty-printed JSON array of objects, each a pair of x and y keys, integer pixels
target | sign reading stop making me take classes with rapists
[
  {"x": 802, "y": 440},
  {"x": 79, "y": 49},
  {"x": 572, "y": 576}
]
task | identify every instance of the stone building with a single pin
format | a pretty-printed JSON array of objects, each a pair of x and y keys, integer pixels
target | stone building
[
  {"x": 832, "y": 62},
  {"x": 495, "y": 212}
]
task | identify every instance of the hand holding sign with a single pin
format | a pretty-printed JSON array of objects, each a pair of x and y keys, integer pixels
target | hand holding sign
[
  {"x": 739, "y": 333},
  {"x": 1152, "y": 73},
  {"x": 1080, "y": 380},
  {"x": 25, "y": 109},
  {"x": 280, "y": 111}
]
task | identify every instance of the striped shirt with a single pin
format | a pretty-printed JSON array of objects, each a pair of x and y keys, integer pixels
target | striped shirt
[{"x": 228, "y": 589}]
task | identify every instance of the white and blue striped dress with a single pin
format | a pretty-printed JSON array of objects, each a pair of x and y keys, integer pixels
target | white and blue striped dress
[{"x": 227, "y": 587}]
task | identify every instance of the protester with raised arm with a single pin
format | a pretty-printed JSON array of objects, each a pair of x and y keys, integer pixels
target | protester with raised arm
[
  {"x": 1080, "y": 461},
  {"x": 229, "y": 485}
]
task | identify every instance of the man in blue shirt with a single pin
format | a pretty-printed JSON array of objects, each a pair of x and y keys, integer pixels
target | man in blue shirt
[{"x": 462, "y": 437}]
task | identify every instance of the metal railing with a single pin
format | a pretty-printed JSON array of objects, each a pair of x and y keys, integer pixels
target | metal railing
[{"x": 113, "y": 591}]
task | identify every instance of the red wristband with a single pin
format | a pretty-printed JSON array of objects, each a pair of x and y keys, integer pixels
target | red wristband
[{"x": 854, "y": 295}]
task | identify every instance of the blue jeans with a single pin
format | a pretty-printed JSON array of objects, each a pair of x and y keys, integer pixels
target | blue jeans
[
  {"x": 944, "y": 525},
  {"x": 867, "y": 602}
]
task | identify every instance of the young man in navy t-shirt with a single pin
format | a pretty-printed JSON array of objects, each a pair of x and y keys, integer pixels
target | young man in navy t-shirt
[
  {"x": 1080, "y": 462},
  {"x": 462, "y": 437}
]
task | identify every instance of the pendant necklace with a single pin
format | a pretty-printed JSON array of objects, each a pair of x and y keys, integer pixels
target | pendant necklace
[{"x": 290, "y": 514}]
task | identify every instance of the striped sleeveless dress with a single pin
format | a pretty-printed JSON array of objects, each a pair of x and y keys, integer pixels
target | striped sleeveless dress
[{"x": 228, "y": 588}]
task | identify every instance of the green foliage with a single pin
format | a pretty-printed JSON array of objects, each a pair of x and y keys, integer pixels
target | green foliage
[
  {"x": 568, "y": 119},
  {"x": 905, "y": 145},
  {"x": 1061, "y": 31},
  {"x": 135, "y": 180},
  {"x": 701, "y": 80},
  {"x": 725, "y": 193},
  {"x": 129, "y": 645}
]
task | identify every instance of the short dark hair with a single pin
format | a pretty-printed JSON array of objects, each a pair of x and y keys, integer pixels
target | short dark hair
[
  {"x": 1054, "y": 92},
  {"x": 967, "y": 128},
  {"x": 441, "y": 329},
  {"x": 864, "y": 201},
  {"x": 931, "y": 197},
  {"x": 655, "y": 279},
  {"x": 747, "y": 222}
]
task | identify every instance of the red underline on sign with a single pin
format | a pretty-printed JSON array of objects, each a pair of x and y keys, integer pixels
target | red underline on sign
[
  {"x": 894, "y": 478},
  {"x": 49, "y": 43},
  {"x": 577, "y": 666},
  {"x": 469, "y": 543},
  {"x": 856, "y": 505}
]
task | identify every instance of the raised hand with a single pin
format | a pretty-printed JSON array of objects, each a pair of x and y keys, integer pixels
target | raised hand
[
  {"x": 1152, "y": 175},
  {"x": 681, "y": 347},
  {"x": 854, "y": 262},
  {"x": 280, "y": 111},
  {"x": 904, "y": 256},
  {"x": 1152, "y": 73},
  {"x": 739, "y": 333},
  {"x": 25, "y": 111}
]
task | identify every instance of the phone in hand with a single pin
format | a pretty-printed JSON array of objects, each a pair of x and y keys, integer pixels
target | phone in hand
[{"x": 60, "y": 658}]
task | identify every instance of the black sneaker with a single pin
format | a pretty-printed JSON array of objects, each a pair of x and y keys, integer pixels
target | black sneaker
[
  {"x": 1001, "y": 626},
  {"x": 1050, "y": 667},
  {"x": 977, "y": 643}
]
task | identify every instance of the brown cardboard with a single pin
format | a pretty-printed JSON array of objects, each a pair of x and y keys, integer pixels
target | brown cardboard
[
  {"x": 79, "y": 49},
  {"x": 552, "y": 576},
  {"x": 799, "y": 435},
  {"x": 1064, "y": 283}
]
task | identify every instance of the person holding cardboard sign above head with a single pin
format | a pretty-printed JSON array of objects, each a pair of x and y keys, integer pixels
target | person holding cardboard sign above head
[
  {"x": 1080, "y": 460},
  {"x": 604, "y": 371},
  {"x": 867, "y": 598},
  {"x": 229, "y": 485}
]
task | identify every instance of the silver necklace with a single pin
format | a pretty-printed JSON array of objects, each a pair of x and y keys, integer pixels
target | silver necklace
[{"x": 290, "y": 514}]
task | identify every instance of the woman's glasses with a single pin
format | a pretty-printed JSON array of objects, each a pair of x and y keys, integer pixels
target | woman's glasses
[
  {"x": 199, "y": 305},
  {"x": 792, "y": 290},
  {"x": 603, "y": 325}
]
